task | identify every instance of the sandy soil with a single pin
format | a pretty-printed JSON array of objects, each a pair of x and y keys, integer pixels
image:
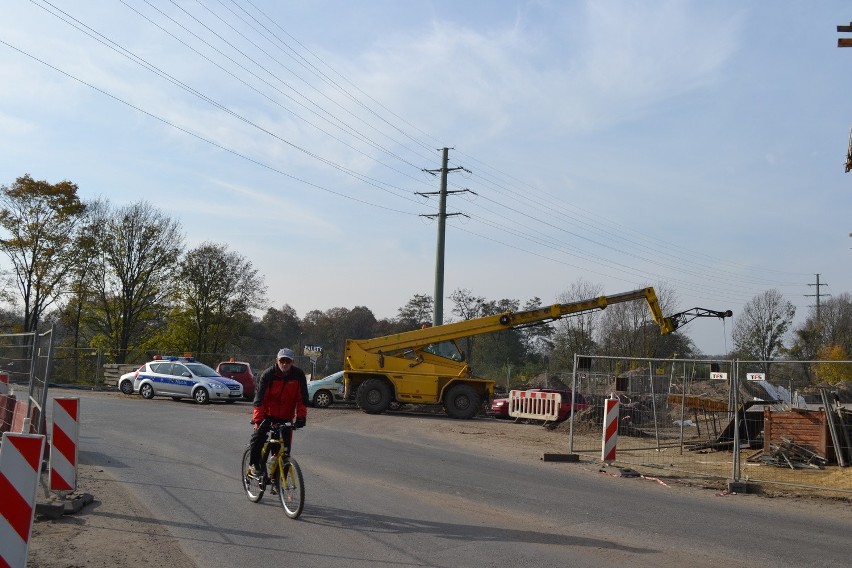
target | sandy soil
[{"x": 114, "y": 530}]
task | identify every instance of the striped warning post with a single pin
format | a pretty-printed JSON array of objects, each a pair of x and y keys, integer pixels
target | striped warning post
[
  {"x": 610, "y": 429},
  {"x": 63, "y": 444},
  {"x": 20, "y": 462}
]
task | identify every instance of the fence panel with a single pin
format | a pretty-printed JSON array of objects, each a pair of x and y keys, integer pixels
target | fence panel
[{"x": 719, "y": 419}]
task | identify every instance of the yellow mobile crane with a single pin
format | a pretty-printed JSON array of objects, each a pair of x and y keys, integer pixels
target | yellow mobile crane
[{"x": 426, "y": 366}]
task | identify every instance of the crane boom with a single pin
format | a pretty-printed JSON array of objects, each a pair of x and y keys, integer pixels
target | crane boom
[{"x": 508, "y": 320}]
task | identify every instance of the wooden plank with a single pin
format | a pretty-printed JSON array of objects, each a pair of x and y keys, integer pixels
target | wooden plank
[{"x": 844, "y": 42}]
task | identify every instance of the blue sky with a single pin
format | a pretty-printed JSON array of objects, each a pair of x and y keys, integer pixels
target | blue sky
[{"x": 694, "y": 146}]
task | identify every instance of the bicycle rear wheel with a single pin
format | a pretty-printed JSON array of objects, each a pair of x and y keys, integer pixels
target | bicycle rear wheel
[
  {"x": 253, "y": 486},
  {"x": 291, "y": 488}
]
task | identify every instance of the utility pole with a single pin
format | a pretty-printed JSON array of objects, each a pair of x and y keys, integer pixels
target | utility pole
[
  {"x": 438, "y": 312},
  {"x": 817, "y": 296},
  {"x": 846, "y": 42}
]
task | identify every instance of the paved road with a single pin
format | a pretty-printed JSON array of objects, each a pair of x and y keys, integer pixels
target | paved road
[{"x": 385, "y": 491}]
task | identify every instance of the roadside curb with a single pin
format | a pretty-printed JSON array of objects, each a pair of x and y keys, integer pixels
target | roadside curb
[{"x": 54, "y": 508}]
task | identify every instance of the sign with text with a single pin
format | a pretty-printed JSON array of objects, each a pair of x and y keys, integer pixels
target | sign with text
[
  {"x": 756, "y": 376},
  {"x": 313, "y": 351},
  {"x": 719, "y": 376}
]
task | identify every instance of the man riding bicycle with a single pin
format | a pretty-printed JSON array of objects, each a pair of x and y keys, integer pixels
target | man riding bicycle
[{"x": 281, "y": 396}]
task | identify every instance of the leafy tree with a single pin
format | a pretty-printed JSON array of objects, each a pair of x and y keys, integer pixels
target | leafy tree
[
  {"x": 417, "y": 311},
  {"x": 39, "y": 221},
  {"x": 331, "y": 329},
  {"x": 218, "y": 290},
  {"x": 826, "y": 329},
  {"x": 833, "y": 373},
  {"x": 760, "y": 331},
  {"x": 280, "y": 328},
  {"x": 492, "y": 351},
  {"x": 139, "y": 251},
  {"x": 81, "y": 281}
]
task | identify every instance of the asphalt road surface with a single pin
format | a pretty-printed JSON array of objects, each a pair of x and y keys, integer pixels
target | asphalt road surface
[{"x": 398, "y": 490}]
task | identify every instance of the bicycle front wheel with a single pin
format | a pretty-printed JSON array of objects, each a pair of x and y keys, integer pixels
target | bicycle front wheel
[
  {"x": 291, "y": 488},
  {"x": 253, "y": 486}
]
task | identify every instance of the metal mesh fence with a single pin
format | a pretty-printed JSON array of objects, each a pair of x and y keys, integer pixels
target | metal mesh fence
[
  {"x": 26, "y": 364},
  {"x": 719, "y": 419}
]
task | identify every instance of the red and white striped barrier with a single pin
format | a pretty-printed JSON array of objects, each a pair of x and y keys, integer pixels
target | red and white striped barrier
[
  {"x": 63, "y": 444},
  {"x": 20, "y": 462},
  {"x": 610, "y": 430},
  {"x": 534, "y": 405},
  {"x": 4, "y": 383}
]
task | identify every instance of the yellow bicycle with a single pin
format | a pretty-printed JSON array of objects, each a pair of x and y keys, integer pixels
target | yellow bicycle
[{"x": 278, "y": 470}]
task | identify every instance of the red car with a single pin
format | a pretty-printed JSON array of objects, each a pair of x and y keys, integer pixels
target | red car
[
  {"x": 500, "y": 406},
  {"x": 240, "y": 372}
]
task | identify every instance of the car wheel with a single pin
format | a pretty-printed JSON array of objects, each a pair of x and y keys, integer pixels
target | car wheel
[
  {"x": 461, "y": 401},
  {"x": 322, "y": 399},
  {"x": 147, "y": 391},
  {"x": 201, "y": 395},
  {"x": 126, "y": 387}
]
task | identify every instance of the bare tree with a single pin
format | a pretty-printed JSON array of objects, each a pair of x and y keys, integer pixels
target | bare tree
[
  {"x": 467, "y": 306},
  {"x": 760, "y": 331},
  {"x": 628, "y": 329},
  {"x": 576, "y": 334},
  {"x": 39, "y": 220}
]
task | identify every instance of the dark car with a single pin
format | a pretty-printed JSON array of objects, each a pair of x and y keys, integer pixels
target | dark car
[
  {"x": 240, "y": 372},
  {"x": 500, "y": 406}
]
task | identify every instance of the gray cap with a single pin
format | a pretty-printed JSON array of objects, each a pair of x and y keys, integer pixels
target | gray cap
[{"x": 286, "y": 354}]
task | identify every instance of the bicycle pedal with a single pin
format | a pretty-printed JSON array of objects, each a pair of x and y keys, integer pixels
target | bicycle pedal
[{"x": 274, "y": 490}]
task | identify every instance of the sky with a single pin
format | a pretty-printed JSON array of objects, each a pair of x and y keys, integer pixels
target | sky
[{"x": 697, "y": 147}]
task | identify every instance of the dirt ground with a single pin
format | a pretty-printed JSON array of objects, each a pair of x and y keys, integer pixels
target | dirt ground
[
  {"x": 111, "y": 531},
  {"x": 96, "y": 536}
]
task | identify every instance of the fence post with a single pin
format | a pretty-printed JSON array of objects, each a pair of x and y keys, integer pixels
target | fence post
[{"x": 98, "y": 366}]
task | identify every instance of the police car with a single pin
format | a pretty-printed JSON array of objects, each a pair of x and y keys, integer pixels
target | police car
[{"x": 182, "y": 377}]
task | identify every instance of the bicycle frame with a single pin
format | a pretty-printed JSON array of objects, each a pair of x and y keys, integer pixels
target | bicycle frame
[
  {"x": 284, "y": 475},
  {"x": 279, "y": 436}
]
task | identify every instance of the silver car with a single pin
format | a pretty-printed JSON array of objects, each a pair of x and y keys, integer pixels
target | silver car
[
  {"x": 323, "y": 392},
  {"x": 185, "y": 378}
]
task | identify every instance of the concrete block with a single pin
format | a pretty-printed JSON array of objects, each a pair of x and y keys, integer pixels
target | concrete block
[
  {"x": 55, "y": 507},
  {"x": 560, "y": 457}
]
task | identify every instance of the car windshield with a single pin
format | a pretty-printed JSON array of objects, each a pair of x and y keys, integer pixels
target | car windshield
[{"x": 201, "y": 370}]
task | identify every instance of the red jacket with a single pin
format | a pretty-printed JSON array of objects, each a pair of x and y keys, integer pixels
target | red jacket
[{"x": 281, "y": 396}]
